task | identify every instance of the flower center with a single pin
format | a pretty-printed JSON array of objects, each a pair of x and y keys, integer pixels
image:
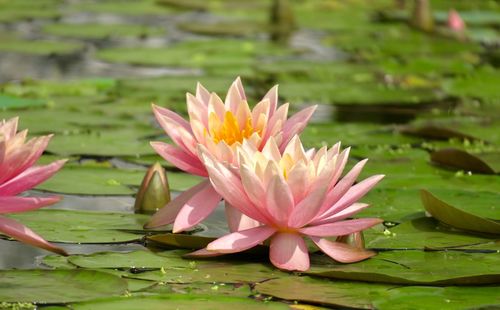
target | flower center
[{"x": 229, "y": 129}]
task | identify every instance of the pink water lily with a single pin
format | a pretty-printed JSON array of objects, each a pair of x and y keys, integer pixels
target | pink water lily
[
  {"x": 17, "y": 174},
  {"x": 455, "y": 22},
  {"x": 220, "y": 127},
  {"x": 293, "y": 195}
]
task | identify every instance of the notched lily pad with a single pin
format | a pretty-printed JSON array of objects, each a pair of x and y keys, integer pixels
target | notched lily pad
[{"x": 458, "y": 218}]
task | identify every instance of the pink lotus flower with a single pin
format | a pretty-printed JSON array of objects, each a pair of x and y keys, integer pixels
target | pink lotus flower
[
  {"x": 293, "y": 195},
  {"x": 455, "y": 22},
  {"x": 220, "y": 127},
  {"x": 17, "y": 175}
]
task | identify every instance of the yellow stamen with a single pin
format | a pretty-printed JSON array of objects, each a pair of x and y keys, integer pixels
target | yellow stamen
[{"x": 228, "y": 130}]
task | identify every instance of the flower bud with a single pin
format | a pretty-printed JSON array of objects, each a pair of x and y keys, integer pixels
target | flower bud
[{"x": 154, "y": 192}]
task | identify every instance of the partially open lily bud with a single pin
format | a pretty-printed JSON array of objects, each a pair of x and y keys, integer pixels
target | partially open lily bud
[
  {"x": 355, "y": 239},
  {"x": 154, "y": 192},
  {"x": 455, "y": 22}
]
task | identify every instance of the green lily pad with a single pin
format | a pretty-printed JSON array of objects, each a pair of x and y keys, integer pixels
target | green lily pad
[
  {"x": 105, "y": 143},
  {"x": 23, "y": 10},
  {"x": 83, "y": 226},
  {"x": 79, "y": 88},
  {"x": 136, "y": 259},
  {"x": 380, "y": 296},
  {"x": 351, "y": 134},
  {"x": 101, "y": 31},
  {"x": 127, "y": 8},
  {"x": 418, "y": 268},
  {"x": 58, "y": 286},
  {"x": 214, "y": 272},
  {"x": 422, "y": 233},
  {"x": 468, "y": 219},
  {"x": 481, "y": 84},
  {"x": 38, "y": 47},
  {"x": 95, "y": 180},
  {"x": 9, "y": 102},
  {"x": 177, "y": 301},
  {"x": 64, "y": 122},
  {"x": 225, "y": 56}
]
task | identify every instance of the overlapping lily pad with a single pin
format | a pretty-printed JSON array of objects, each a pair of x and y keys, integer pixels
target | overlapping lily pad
[
  {"x": 382, "y": 296},
  {"x": 46, "y": 286},
  {"x": 419, "y": 268},
  {"x": 84, "y": 227},
  {"x": 178, "y": 301}
]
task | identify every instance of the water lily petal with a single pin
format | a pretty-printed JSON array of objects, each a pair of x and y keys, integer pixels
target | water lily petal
[
  {"x": 22, "y": 157},
  {"x": 196, "y": 209},
  {"x": 23, "y": 234},
  {"x": 289, "y": 251},
  {"x": 179, "y": 158},
  {"x": 353, "y": 195},
  {"x": 202, "y": 94},
  {"x": 340, "y": 228},
  {"x": 295, "y": 124},
  {"x": 342, "y": 186},
  {"x": 308, "y": 208},
  {"x": 30, "y": 178},
  {"x": 272, "y": 96},
  {"x": 241, "y": 240},
  {"x": 237, "y": 221},
  {"x": 347, "y": 212},
  {"x": 16, "y": 204},
  {"x": 168, "y": 213},
  {"x": 342, "y": 252},
  {"x": 279, "y": 200}
]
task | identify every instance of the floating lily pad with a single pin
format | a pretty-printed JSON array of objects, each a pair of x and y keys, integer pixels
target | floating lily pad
[
  {"x": 80, "y": 87},
  {"x": 136, "y": 259},
  {"x": 240, "y": 29},
  {"x": 39, "y": 47},
  {"x": 93, "y": 180},
  {"x": 418, "y": 267},
  {"x": 84, "y": 227},
  {"x": 58, "y": 286},
  {"x": 9, "y": 102},
  {"x": 382, "y": 296},
  {"x": 101, "y": 31},
  {"x": 459, "y": 218},
  {"x": 481, "y": 84},
  {"x": 214, "y": 272},
  {"x": 351, "y": 134},
  {"x": 122, "y": 7},
  {"x": 424, "y": 232},
  {"x": 105, "y": 143},
  {"x": 226, "y": 56},
  {"x": 178, "y": 301},
  {"x": 23, "y": 10}
]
